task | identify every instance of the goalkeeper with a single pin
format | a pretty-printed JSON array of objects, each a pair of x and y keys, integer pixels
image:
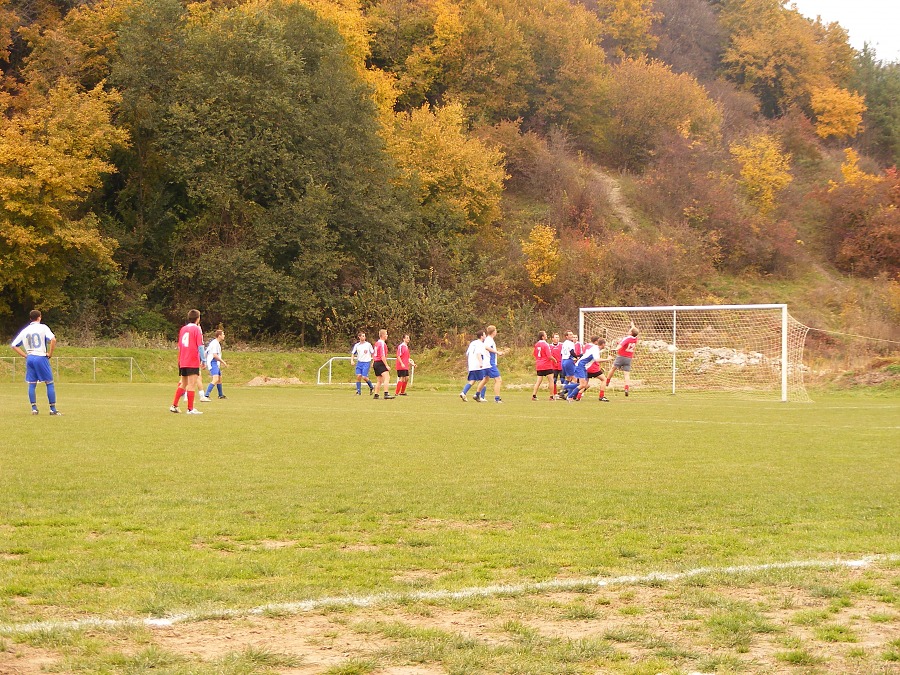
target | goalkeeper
[{"x": 624, "y": 355}]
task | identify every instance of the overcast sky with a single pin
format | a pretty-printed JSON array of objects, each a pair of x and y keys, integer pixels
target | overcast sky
[{"x": 874, "y": 21}]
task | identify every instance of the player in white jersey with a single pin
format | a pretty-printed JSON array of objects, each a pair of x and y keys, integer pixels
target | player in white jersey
[
  {"x": 491, "y": 371},
  {"x": 475, "y": 357},
  {"x": 215, "y": 363},
  {"x": 361, "y": 354},
  {"x": 36, "y": 342}
]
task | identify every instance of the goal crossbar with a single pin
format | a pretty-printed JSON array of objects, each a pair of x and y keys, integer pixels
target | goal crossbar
[{"x": 748, "y": 349}]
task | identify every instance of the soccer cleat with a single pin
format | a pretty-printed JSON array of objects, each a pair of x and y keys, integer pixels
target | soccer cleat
[
  {"x": 194, "y": 411},
  {"x": 626, "y": 393},
  {"x": 498, "y": 400},
  {"x": 223, "y": 397},
  {"x": 463, "y": 397},
  {"x": 205, "y": 399},
  {"x": 55, "y": 412},
  {"x": 359, "y": 393},
  {"x": 174, "y": 409},
  {"x": 402, "y": 393},
  {"x": 34, "y": 411},
  {"x": 371, "y": 389},
  {"x": 387, "y": 396},
  {"x": 603, "y": 399},
  {"x": 377, "y": 396}
]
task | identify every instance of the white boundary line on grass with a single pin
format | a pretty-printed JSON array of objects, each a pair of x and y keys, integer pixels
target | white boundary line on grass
[{"x": 463, "y": 594}]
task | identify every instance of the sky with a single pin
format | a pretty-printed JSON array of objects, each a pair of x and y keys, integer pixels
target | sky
[{"x": 874, "y": 21}]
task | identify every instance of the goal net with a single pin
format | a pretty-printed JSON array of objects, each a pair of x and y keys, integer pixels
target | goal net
[{"x": 750, "y": 350}]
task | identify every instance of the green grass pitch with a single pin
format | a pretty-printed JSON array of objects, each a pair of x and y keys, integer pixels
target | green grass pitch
[{"x": 121, "y": 509}]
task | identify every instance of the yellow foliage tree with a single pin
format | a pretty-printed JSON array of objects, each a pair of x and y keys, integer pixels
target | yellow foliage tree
[
  {"x": 764, "y": 170},
  {"x": 542, "y": 257},
  {"x": 838, "y": 112},
  {"x": 628, "y": 26},
  {"x": 853, "y": 175},
  {"x": 51, "y": 157},
  {"x": 448, "y": 169}
]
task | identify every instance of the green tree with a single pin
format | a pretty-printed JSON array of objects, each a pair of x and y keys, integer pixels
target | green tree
[{"x": 258, "y": 118}]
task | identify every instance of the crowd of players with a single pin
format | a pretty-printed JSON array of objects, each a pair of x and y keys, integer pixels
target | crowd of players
[{"x": 568, "y": 366}]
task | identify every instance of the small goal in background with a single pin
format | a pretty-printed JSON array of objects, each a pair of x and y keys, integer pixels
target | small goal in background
[{"x": 750, "y": 350}]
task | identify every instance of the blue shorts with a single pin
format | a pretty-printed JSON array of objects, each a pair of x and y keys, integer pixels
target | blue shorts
[
  {"x": 493, "y": 372},
  {"x": 362, "y": 368},
  {"x": 37, "y": 369},
  {"x": 476, "y": 375},
  {"x": 214, "y": 368},
  {"x": 580, "y": 372},
  {"x": 568, "y": 367}
]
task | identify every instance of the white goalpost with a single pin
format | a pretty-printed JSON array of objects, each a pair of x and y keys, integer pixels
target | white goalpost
[{"x": 751, "y": 350}]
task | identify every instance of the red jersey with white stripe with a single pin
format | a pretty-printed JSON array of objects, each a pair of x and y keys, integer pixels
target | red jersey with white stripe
[
  {"x": 627, "y": 345},
  {"x": 381, "y": 351},
  {"x": 190, "y": 338},
  {"x": 402, "y": 357},
  {"x": 542, "y": 356}
]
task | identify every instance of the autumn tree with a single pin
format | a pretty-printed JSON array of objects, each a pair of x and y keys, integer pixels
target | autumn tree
[
  {"x": 776, "y": 53},
  {"x": 541, "y": 251},
  {"x": 647, "y": 102},
  {"x": 838, "y": 112},
  {"x": 52, "y": 156},
  {"x": 764, "y": 170}
]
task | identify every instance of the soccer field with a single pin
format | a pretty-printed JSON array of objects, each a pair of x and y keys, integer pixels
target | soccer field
[{"x": 120, "y": 509}]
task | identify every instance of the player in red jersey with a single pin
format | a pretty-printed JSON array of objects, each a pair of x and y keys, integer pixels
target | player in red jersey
[
  {"x": 381, "y": 366},
  {"x": 403, "y": 365},
  {"x": 190, "y": 341},
  {"x": 544, "y": 363},
  {"x": 556, "y": 351},
  {"x": 624, "y": 354}
]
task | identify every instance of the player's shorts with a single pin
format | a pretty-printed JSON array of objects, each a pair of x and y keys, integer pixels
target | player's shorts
[
  {"x": 475, "y": 375},
  {"x": 557, "y": 373},
  {"x": 362, "y": 368},
  {"x": 622, "y": 363},
  {"x": 403, "y": 373},
  {"x": 544, "y": 373},
  {"x": 492, "y": 372},
  {"x": 215, "y": 368},
  {"x": 596, "y": 373},
  {"x": 568, "y": 367},
  {"x": 580, "y": 372},
  {"x": 380, "y": 368},
  {"x": 37, "y": 369},
  {"x": 186, "y": 372}
]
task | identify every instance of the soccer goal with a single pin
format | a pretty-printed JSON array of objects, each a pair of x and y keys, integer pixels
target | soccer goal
[{"x": 751, "y": 350}]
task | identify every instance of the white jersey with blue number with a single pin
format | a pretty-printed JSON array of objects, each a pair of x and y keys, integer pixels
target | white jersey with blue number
[{"x": 34, "y": 339}]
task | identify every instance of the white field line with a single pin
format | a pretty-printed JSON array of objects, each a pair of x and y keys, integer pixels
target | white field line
[{"x": 463, "y": 594}]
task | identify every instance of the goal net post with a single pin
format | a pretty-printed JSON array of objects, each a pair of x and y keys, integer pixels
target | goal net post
[{"x": 748, "y": 350}]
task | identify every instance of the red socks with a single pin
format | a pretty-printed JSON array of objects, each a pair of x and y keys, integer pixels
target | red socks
[
  {"x": 191, "y": 395},
  {"x": 178, "y": 394}
]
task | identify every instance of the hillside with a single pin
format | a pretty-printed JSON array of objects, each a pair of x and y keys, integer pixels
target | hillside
[{"x": 302, "y": 168}]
